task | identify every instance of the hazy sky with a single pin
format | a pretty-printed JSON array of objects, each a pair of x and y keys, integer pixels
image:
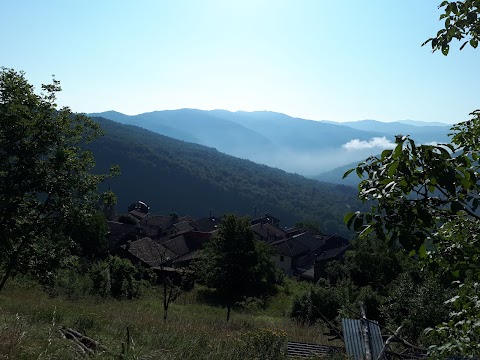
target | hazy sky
[{"x": 316, "y": 59}]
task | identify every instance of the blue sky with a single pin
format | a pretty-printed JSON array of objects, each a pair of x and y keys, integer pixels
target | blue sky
[{"x": 322, "y": 60}]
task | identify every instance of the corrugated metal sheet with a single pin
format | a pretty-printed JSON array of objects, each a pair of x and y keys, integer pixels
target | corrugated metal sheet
[
  {"x": 354, "y": 341},
  {"x": 297, "y": 349}
]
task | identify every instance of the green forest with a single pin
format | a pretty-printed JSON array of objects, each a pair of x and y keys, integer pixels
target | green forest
[{"x": 172, "y": 175}]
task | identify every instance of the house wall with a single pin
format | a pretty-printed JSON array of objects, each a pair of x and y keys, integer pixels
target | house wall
[
  {"x": 285, "y": 265},
  {"x": 320, "y": 265},
  {"x": 305, "y": 261}
]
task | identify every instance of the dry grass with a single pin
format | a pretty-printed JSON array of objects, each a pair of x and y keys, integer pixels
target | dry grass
[{"x": 30, "y": 320}]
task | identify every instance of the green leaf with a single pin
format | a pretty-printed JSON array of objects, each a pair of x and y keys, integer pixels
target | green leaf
[
  {"x": 474, "y": 43},
  {"x": 398, "y": 150},
  {"x": 347, "y": 173},
  {"x": 466, "y": 183},
  {"x": 422, "y": 252},
  {"x": 393, "y": 168},
  {"x": 358, "y": 223},
  {"x": 348, "y": 218},
  {"x": 386, "y": 153},
  {"x": 445, "y": 49}
]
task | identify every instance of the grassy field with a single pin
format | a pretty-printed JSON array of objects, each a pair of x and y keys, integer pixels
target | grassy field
[{"x": 30, "y": 320}]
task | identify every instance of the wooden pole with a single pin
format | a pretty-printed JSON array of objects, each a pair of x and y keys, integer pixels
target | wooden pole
[{"x": 365, "y": 332}]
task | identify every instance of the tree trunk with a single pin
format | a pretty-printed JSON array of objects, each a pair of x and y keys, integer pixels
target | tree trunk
[
  {"x": 229, "y": 307},
  {"x": 11, "y": 264},
  {"x": 6, "y": 275},
  {"x": 165, "y": 301}
]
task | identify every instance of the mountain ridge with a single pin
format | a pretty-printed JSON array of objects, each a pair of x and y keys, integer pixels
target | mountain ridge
[
  {"x": 190, "y": 179},
  {"x": 303, "y": 146}
]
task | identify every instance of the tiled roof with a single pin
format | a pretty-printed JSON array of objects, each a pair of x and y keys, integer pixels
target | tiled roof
[
  {"x": 266, "y": 219},
  {"x": 290, "y": 247},
  {"x": 161, "y": 221},
  {"x": 334, "y": 241},
  {"x": 332, "y": 253},
  {"x": 120, "y": 233},
  {"x": 268, "y": 232},
  {"x": 207, "y": 224},
  {"x": 149, "y": 252},
  {"x": 312, "y": 242},
  {"x": 186, "y": 257},
  {"x": 299, "y": 244},
  {"x": 187, "y": 242},
  {"x": 293, "y": 231},
  {"x": 183, "y": 226},
  {"x": 177, "y": 245},
  {"x": 137, "y": 214}
]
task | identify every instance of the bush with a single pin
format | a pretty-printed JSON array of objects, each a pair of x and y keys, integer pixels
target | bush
[
  {"x": 314, "y": 303},
  {"x": 72, "y": 279},
  {"x": 417, "y": 305},
  {"x": 119, "y": 278}
]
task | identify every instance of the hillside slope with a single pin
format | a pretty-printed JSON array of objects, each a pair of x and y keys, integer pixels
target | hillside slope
[
  {"x": 190, "y": 179},
  {"x": 292, "y": 144}
]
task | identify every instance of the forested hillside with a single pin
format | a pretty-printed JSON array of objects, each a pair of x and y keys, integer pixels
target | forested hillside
[
  {"x": 172, "y": 175},
  {"x": 296, "y": 145}
]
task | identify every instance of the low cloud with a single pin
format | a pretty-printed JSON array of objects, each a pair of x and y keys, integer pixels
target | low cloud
[{"x": 376, "y": 142}]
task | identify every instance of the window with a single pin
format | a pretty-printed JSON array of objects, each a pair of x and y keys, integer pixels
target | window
[{"x": 282, "y": 258}]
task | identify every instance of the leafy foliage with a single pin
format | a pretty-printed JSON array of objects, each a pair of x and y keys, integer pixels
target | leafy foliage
[
  {"x": 236, "y": 264},
  {"x": 45, "y": 178},
  {"x": 315, "y": 303},
  {"x": 425, "y": 199},
  {"x": 461, "y": 21},
  {"x": 118, "y": 278},
  {"x": 417, "y": 302},
  {"x": 88, "y": 234}
]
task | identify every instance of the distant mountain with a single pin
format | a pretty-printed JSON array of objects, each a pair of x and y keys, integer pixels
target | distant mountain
[
  {"x": 292, "y": 144},
  {"x": 149, "y": 124},
  {"x": 424, "y": 123},
  {"x": 190, "y": 179},
  {"x": 336, "y": 175},
  {"x": 422, "y": 134}
]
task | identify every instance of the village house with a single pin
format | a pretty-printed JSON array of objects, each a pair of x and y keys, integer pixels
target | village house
[
  {"x": 138, "y": 210},
  {"x": 161, "y": 241},
  {"x": 296, "y": 254},
  {"x": 267, "y": 232}
]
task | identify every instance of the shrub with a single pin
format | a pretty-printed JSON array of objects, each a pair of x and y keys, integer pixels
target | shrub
[
  {"x": 314, "y": 303},
  {"x": 72, "y": 279},
  {"x": 119, "y": 278}
]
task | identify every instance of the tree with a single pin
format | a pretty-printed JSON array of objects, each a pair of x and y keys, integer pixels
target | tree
[
  {"x": 461, "y": 21},
  {"x": 309, "y": 225},
  {"x": 426, "y": 199},
  {"x": 45, "y": 179},
  {"x": 88, "y": 234},
  {"x": 236, "y": 264},
  {"x": 174, "y": 286}
]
